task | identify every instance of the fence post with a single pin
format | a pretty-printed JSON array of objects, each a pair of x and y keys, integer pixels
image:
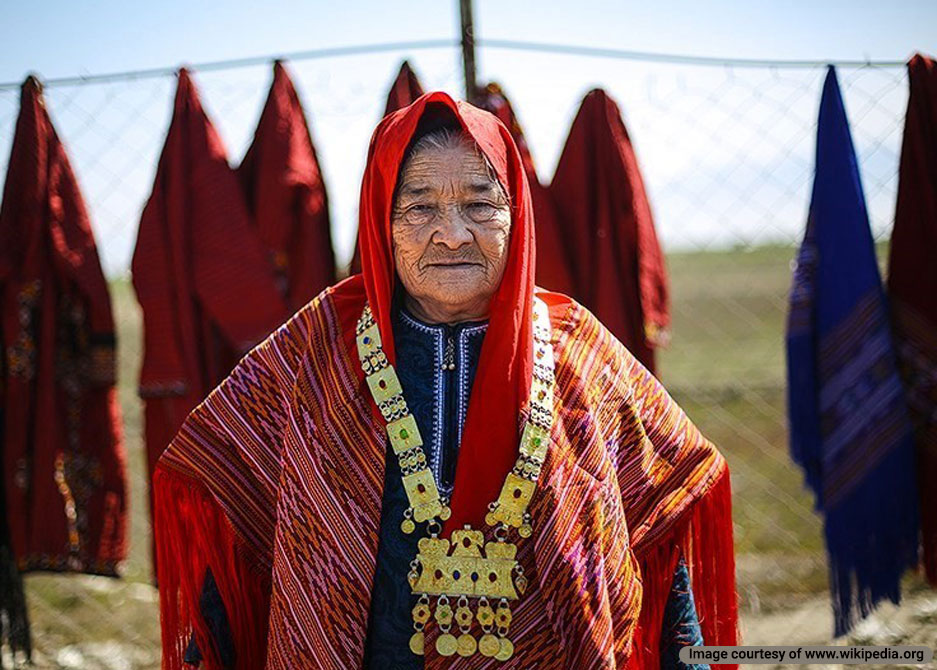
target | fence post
[{"x": 468, "y": 50}]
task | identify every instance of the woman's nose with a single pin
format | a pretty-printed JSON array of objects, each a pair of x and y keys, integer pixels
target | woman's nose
[{"x": 452, "y": 230}]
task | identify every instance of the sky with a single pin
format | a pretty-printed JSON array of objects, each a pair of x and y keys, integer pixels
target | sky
[{"x": 726, "y": 152}]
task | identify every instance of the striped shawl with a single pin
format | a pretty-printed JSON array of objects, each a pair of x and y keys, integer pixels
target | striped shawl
[{"x": 274, "y": 483}]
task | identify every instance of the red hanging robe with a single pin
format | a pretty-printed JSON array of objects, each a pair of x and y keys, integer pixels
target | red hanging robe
[
  {"x": 283, "y": 184},
  {"x": 405, "y": 89},
  {"x": 200, "y": 271},
  {"x": 63, "y": 457},
  {"x": 618, "y": 266},
  {"x": 912, "y": 285},
  {"x": 553, "y": 265}
]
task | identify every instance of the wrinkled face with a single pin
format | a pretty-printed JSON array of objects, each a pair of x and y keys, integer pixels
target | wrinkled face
[{"x": 451, "y": 224}]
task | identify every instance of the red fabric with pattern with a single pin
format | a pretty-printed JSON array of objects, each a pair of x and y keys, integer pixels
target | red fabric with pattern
[
  {"x": 912, "y": 285},
  {"x": 201, "y": 273},
  {"x": 618, "y": 265},
  {"x": 553, "y": 262},
  {"x": 286, "y": 196},
  {"x": 63, "y": 456}
]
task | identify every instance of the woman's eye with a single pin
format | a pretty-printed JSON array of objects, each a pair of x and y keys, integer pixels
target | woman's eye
[
  {"x": 419, "y": 213},
  {"x": 481, "y": 210}
]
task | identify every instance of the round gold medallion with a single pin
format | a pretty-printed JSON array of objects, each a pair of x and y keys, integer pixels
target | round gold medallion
[
  {"x": 467, "y": 644},
  {"x": 445, "y": 513},
  {"x": 489, "y": 645},
  {"x": 407, "y": 526},
  {"x": 525, "y": 530},
  {"x": 506, "y": 650},
  {"x": 446, "y": 644},
  {"x": 416, "y": 643}
]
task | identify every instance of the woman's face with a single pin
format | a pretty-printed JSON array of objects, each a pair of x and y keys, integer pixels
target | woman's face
[{"x": 451, "y": 225}]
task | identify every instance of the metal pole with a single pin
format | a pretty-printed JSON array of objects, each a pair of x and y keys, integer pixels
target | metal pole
[{"x": 468, "y": 50}]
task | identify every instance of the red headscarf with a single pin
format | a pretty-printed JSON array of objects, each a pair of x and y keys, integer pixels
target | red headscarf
[
  {"x": 490, "y": 439},
  {"x": 912, "y": 284},
  {"x": 63, "y": 457},
  {"x": 281, "y": 178},
  {"x": 553, "y": 269},
  {"x": 617, "y": 260}
]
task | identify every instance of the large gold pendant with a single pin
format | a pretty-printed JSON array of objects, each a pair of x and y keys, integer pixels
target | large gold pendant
[{"x": 466, "y": 567}]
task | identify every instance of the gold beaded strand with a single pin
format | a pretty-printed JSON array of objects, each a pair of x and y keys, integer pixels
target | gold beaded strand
[{"x": 465, "y": 566}]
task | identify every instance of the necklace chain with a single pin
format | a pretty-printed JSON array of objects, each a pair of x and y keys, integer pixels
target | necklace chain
[{"x": 465, "y": 571}]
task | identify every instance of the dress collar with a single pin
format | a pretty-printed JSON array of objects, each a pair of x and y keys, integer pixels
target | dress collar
[{"x": 469, "y": 327}]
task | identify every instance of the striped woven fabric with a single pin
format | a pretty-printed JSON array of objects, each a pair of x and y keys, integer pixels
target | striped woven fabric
[{"x": 274, "y": 482}]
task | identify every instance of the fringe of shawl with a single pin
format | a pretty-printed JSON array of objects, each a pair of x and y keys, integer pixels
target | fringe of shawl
[
  {"x": 704, "y": 539},
  {"x": 193, "y": 535},
  {"x": 872, "y": 539}
]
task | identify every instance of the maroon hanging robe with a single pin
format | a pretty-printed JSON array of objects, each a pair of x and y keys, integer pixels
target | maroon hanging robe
[
  {"x": 618, "y": 266},
  {"x": 553, "y": 263},
  {"x": 201, "y": 274},
  {"x": 63, "y": 456},
  {"x": 285, "y": 194},
  {"x": 912, "y": 285},
  {"x": 405, "y": 89}
]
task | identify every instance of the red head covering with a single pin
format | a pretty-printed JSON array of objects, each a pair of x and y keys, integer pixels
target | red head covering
[
  {"x": 553, "y": 269},
  {"x": 617, "y": 260},
  {"x": 912, "y": 284},
  {"x": 502, "y": 382},
  {"x": 281, "y": 178},
  {"x": 61, "y": 445}
]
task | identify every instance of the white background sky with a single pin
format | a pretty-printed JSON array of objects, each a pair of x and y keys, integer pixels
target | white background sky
[{"x": 726, "y": 153}]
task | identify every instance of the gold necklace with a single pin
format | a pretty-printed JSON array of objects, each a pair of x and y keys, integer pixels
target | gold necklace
[{"x": 466, "y": 571}]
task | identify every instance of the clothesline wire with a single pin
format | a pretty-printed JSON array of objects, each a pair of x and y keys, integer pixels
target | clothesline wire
[
  {"x": 492, "y": 43},
  {"x": 681, "y": 59}
]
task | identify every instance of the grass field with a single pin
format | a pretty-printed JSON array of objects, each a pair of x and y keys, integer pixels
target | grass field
[{"x": 725, "y": 366}]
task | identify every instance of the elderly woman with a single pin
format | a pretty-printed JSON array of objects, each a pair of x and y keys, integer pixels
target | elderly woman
[{"x": 434, "y": 464}]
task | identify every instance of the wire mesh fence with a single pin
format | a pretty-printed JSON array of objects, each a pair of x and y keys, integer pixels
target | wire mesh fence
[{"x": 727, "y": 155}]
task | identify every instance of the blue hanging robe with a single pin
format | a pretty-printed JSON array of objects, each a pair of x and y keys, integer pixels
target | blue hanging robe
[{"x": 849, "y": 424}]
